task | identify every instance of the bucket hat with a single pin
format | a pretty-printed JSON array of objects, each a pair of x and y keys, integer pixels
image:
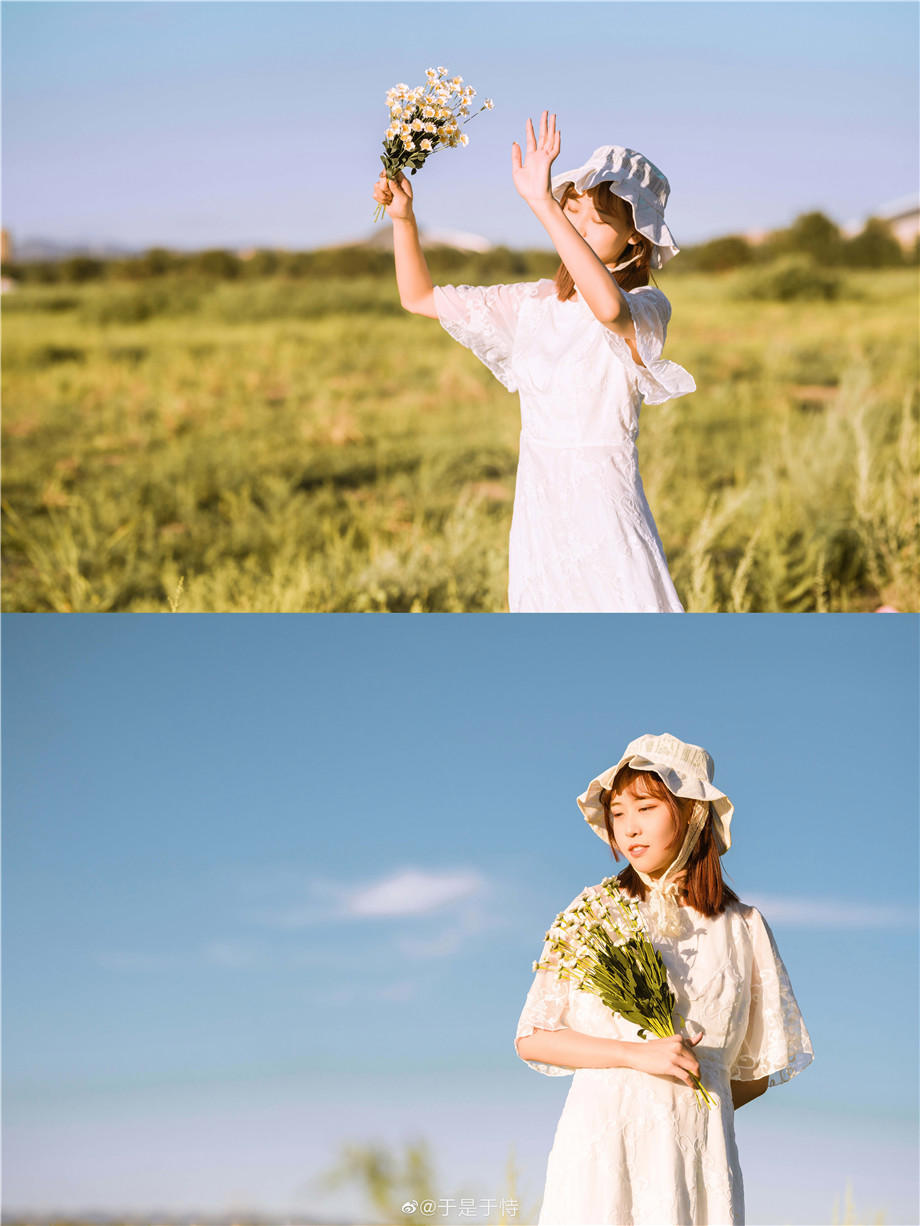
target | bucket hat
[
  {"x": 684, "y": 769},
  {"x": 635, "y": 179}
]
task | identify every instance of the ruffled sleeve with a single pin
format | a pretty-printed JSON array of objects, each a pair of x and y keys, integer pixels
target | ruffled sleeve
[
  {"x": 546, "y": 1008},
  {"x": 484, "y": 318},
  {"x": 776, "y": 1042},
  {"x": 659, "y": 379}
]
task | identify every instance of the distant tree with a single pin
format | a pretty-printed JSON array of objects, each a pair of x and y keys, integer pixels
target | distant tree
[
  {"x": 444, "y": 261},
  {"x": 157, "y": 261},
  {"x": 540, "y": 263},
  {"x": 40, "y": 272},
  {"x": 790, "y": 277},
  {"x": 263, "y": 262},
  {"x": 127, "y": 269},
  {"x": 717, "y": 255},
  {"x": 355, "y": 261},
  {"x": 296, "y": 263},
  {"x": 81, "y": 268},
  {"x": 498, "y": 262},
  {"x": 874, "y": 247},
  {"x": 811, "y": 234},
  {"x": 217, "y": 262}
]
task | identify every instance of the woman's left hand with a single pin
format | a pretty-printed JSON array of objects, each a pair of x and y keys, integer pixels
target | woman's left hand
[{"x": 532, "y": 178}]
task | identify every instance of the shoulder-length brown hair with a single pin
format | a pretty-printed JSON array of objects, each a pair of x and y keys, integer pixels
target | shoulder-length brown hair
[
  {"x": 703, "y": 886},
  {"x": 609, "y": 203}
]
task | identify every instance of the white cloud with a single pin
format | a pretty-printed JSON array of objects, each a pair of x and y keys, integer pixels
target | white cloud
[
  {"x": 406, "y": 892},
  {"x": 444, "y": 907},
  {"x": 413, "y": 892},
  {"x": 832, "y": 913}
]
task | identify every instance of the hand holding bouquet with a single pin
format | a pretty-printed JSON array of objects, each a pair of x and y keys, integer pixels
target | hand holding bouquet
[
  {"x": 606, "y": 950},
  {"x": 423, "y": 120}
]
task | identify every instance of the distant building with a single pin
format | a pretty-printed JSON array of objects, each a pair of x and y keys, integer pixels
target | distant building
[
  {"x": 382, "y": 239},
  {"x": 902, "y": 216},
  {"x": 458, "y": 239},
  {"x": 249, "y": 253}
]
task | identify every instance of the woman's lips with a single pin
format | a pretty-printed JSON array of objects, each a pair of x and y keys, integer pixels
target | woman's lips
[{"x": 637, "y": 849}]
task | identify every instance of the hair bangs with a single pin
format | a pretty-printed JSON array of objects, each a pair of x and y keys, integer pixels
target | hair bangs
[
  {"x": 703, "y": 885},
  {"x": 643, "y": 783}
]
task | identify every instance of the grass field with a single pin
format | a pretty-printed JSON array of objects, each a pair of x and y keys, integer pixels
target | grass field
[{"x": 292, "y": 446}]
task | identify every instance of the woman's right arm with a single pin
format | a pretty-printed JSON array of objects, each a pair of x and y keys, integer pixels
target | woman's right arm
[
  {"x": 413, "y": 280},
  {"x": 668, "y": 1057}
]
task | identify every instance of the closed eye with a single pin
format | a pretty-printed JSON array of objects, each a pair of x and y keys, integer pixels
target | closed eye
[{"x": 574, "y": 209}]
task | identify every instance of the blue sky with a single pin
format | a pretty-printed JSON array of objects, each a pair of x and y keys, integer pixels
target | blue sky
[
  {"x": 198, "y": 124},
  {"x": 274, "y": 883}
]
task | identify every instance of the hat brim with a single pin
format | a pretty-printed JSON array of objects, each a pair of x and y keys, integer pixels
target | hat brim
[
  {"x": 647, "y": 217},
  {"x": 720, "y": 807}
]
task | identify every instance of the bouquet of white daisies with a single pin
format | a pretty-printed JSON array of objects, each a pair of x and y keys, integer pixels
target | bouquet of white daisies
[
  {"x": 424, "y": 119},
  {"x": 606, "y": 950}
]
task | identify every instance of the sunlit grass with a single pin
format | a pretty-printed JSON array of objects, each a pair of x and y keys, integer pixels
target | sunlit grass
[
  {"x": 850, "y": 1217},
  {"x": 288, "y": 447}
]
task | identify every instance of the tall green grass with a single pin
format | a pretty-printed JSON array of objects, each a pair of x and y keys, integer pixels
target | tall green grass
[{"x": 308, "y": 446}]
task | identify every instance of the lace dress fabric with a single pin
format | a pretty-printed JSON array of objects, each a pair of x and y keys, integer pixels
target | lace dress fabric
[
  {"x": 583, "y": 539},
  {"x": 634, "y": 1149}
]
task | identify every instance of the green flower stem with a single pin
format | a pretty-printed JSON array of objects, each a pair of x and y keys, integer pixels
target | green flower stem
[{"x": 630, "y": 978}]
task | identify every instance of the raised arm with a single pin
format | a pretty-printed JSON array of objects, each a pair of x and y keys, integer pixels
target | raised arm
[
  {"x": 592, "y": 279},
  {"x": 413, "y": 280}
]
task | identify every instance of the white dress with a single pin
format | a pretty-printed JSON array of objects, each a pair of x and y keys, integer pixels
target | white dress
[
  {"x": 582, "y": 536},
  {"x": 633, "y": 1148}
]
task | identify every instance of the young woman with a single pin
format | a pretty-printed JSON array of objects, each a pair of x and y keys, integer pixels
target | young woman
[
  {"x": 583, "y": 350},
  {"x": 632, "y": 1146}
]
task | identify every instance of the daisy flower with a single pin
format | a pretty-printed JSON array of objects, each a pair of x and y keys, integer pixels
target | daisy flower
[{"x": 433, "y": 108}]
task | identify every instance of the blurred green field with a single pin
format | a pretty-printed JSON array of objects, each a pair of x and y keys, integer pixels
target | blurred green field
[{"x": 280, "y": 446}]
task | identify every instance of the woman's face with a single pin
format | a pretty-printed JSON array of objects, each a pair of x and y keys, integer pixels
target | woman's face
[
  {"x": 606, "y": 235},
  {"x": 644, "y": 830}
]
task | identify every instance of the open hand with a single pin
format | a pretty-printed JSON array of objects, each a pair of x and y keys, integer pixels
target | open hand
[
  {"x": 395, "y": 195},
  {"x": 532, "y": 179}
]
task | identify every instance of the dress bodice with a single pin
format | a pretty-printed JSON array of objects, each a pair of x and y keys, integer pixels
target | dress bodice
[
  {"x": 728, "y": 979},
  {"x": 575, "y": 389},
  {"x": 582, "y": 534}
]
